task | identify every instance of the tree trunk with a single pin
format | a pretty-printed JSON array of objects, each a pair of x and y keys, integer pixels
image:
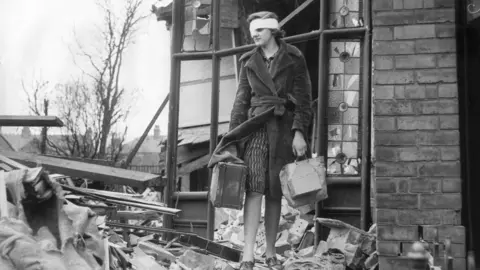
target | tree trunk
[
  {"x": 43, "y": 143},
  {"x": 106, "y": 126}
]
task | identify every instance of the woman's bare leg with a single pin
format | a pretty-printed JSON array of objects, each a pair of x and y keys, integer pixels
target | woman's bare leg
[
  {"x": 273, "y": 210},
  {"x": 251, "y": 215}
]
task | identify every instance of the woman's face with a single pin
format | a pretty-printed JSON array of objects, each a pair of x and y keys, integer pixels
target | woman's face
[{"x": 261, "y": 36}]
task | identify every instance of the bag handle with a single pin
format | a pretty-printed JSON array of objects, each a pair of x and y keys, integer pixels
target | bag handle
[{"x": 301, "y": 158}]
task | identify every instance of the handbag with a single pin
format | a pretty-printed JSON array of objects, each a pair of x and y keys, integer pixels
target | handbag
[{"x": 304, "y": 182}]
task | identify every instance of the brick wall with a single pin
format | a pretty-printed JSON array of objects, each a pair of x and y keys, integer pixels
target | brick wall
[{"x": 417, "y": 169}]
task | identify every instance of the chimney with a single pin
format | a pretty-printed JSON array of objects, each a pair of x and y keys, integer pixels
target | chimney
[
  {"x": 156, "y": 133},
  {"x": 26, "y": 133}
]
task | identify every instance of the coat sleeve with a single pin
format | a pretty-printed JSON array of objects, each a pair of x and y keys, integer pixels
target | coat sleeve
[
  {"x": 241, "y": 104},
  {"x": 302, "y": 93}
]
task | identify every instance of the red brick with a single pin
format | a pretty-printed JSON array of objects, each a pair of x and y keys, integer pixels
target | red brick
[
  {"x": 385, "y": 123},
  {"x": 452, "y": 185},
  {"x": 397, "y": 201},
  {"x": 388, "y": 248},
  {"x": 448, "y": 106},
  {"x": 444, "y": 75},
  {"x": 417, "y": 122},
  {"x": 438, "y": 45},
  {"x": 447, "y": 60},
  {"x": 445, "y": 30},
  {"x": 447, "y": 90},
  {"x": 440, "y": 169},
  {"x": 393, "y": 47},
  {"x": 441, "y": 201},
  {"x": 394, "y": 18},
  {"x": 382, "y": 33},
  {"x": 399, "y": 91},
  {"x": 418, "y": 91},
  {"x": 386, "y": 216},
  {"x": 449, "y": 122},
  {"x": 414, "y": 61},
  {"x": 386, "y": 153},
  {"x": 393, "y": 77},
  {"x": 397, "y": 4},
  {"x": 412, "y": 4},
  {"x": 415, "y": 91},
  {"x": 414, "y": 31},
  {"x": 393, "y": 107},
  {"x": 450, "y": 153},
  {"x": 428, "y": 3},
  {"x": 382, "y": 5},
  {"x": 394, "y": 168},
  {"x": 435, "y": 16},
  {"x": 396, "y": 138},
  {"x": 402, "y": 185},
  {"x": 425, "y": 185},
  {"x": 458, "y": 252},
  {"x": 400, "y": 263},
  {"x": 397, "y": 233},
  {"x": 384, "y": 92},
  {"x": 440, "y": 233},
  {"x": 444, "y": 137},
  {"x": 416, "y": 154},
  {"x": 386, "y": 186},
  {"x": 420, "y": 217},
  {"x": 451, "y": 217},
  {"x": 383, "y": 62},
  {"x": 444, "y": 3}
]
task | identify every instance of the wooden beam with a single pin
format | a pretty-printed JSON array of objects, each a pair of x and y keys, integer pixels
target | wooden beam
[
  {"x": 30, "y": 121},
  {"x": 138, "y": 215},
  {"x": 108, "y": 175},
  {"x": 295, "y": 12},
  {"x": 193, "y": 166},
  {"x": 12, "y": 163}
]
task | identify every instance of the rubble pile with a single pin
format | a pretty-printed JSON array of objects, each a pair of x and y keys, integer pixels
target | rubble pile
[{"x": 51, "y": 222}]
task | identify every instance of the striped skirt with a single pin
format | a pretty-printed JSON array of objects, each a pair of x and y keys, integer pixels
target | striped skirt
[{"x": 256, "y": 160}]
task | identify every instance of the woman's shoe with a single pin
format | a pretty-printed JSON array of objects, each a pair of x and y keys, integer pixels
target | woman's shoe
[
  {"x": 246, "y": 265},
  {"x": 273, "y": 263}
]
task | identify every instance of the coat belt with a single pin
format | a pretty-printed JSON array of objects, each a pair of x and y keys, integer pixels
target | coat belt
[{"x": 278, "y": 102}]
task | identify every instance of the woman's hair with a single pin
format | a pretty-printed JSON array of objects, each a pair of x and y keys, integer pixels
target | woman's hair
[{"x": 276, "y": 33}]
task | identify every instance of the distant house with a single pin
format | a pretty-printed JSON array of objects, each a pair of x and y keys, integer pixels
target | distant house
[{"x": 149, "y": 152}]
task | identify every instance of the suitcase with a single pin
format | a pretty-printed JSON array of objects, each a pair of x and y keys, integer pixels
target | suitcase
[{"x": 227, "y": 188}]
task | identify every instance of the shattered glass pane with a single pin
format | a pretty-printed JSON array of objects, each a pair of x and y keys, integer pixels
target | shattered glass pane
[
  {"x": 353, "y": 48},
  {"x": 335, "y": 98},
  {"x": 350, "y": 116},
  {"x": 345, "y": 13},
  {"x": 334, "y": 116},
  {"x": 333, "y": 167},
  {"x": 351, "y": 98},
  {"x": 334, "y": 132},
  {"x": 352, "y": 66},
  {"x": 350, "y": 133},
  {"x": 351, "y": 166},
  {"x": 350, "y": 149},
  {"x": 336, "y": 82},
  {"x": 336, "y": 66},
  {"x": 334, "y": 148},
  {"x": 352, "y": 82},
  {"x": 336, "y": 48}
]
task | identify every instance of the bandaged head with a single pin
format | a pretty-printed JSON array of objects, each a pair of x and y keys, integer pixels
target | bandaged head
[{"x": 267, "y": 23}]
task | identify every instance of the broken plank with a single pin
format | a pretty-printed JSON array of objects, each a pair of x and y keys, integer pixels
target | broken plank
[
  {"x": 163, "y": 210},
  {"x": 108, "y": 175},
  {"x": 138, "y": 215},
  {"x": 193, "y": 166},
  {"x": 12, "y": 163},
  {"x": 111, "y": 195},
  {"x": 30, "y": 121},
  {"x": 147, "y": 229}
]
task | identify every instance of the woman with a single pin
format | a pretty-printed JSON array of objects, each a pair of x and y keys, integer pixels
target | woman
[{"x": 274, "y": 90}]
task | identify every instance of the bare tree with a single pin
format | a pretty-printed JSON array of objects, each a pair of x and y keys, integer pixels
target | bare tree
[
  {"x": 103, "y": 96},
  {"x": 38, "y": 103}
]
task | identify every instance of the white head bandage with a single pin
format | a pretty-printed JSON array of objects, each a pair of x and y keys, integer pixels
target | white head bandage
[{"x": 268, "y": 23}]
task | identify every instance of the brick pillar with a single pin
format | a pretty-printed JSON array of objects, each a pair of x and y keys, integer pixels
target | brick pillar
[{"x": 416, "y": 140}]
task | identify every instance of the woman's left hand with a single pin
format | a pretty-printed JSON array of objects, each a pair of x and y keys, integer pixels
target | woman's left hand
[{"x": 299, "y": 146}]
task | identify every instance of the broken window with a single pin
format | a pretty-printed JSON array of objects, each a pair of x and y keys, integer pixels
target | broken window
[
  {"x": 345, "y": 13},
  {"x": 343, "y": 107}
]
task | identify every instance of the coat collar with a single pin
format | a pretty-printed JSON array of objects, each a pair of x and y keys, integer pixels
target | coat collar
[{"x": 282, "y": 60}]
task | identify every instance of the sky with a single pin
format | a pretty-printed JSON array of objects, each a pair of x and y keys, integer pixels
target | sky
[{"x": 36, "y": 43}]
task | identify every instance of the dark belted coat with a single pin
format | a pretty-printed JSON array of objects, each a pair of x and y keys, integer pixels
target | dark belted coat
[{"x": 265, "y": 99}]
